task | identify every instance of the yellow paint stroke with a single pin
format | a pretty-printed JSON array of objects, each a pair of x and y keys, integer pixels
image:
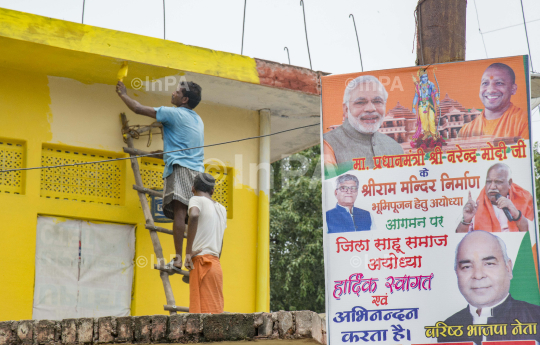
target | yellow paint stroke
[{"x": 123, "y": 72}]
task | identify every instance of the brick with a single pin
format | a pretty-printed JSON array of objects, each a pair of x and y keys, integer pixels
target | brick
[
  {"x": 159, "y": 328},
  {"x": 106, "y": 329},
  {"x": 176, "y": 328},
  {"x": 7, "y": 336},
  {"x": 194, "y": 324},
  {"x": 241, "y": 327},
  {"x": 285, "y": 326},
  {"x": 124, "y": 328},
  {"x": 85, "y": 330},
  {"x": 69, "y": 331},
  {"x": 95, "y": 337},
  {"x": 303, "y": 323},
  {"x": 265, "y": 328},
  {"x": 216, "y": 327},
  {"x": 25, "y": 332},
  {"x": 142, "y": 329},
  {"x": 45, "y": 332}
]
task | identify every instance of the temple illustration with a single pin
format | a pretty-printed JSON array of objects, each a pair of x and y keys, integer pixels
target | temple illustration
[{"x": 400, "y": 123}]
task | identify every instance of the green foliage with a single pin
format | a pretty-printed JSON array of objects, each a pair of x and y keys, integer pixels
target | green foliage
[{"x": 296, "y": 237}]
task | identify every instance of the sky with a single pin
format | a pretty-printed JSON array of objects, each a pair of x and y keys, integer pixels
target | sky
[{"x": 385, "y": 28}]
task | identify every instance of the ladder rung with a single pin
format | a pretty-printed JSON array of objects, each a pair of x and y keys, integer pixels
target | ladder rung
[
  {"x": 163, "y": 230},
  {"x": 148, "y": 191},
  {"x": 137, "y": 152},
  {"x": 182, "y": 272},
  {"x": 176, "y": 308},
  {"x": 158, "y": 229}
]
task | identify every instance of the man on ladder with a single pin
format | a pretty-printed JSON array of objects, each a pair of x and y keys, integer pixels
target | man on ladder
[{"x": 182, "y": 129}]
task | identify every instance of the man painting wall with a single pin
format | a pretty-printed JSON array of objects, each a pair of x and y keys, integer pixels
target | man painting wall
[
  {"x": 182, "y": 128},
  {"x": 364, "y": 105},
  {"x": 500, "y": 117}
]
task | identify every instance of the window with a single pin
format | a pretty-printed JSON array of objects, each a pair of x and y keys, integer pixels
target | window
[{"x": 100, "y": 183}]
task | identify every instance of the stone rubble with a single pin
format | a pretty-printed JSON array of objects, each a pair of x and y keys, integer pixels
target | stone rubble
[{"x": 159, "y": 329}]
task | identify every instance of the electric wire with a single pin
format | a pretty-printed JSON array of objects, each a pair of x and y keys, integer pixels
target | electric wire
[
  {"x": 479, "y": 30},
  {"x": 158, "y": 153},
  {"x": 509, "y": 26}
]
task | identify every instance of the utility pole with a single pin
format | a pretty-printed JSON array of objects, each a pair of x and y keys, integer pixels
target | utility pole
[{"x": 440, "y": 31}]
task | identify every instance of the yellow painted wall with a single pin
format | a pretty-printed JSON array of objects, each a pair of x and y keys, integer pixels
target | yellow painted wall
[{"x": 40, "y": 109}]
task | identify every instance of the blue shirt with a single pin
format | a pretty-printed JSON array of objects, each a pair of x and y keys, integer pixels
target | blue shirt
[
  {"x": 339, "y": 219},
  {"x": 182, "y": 129}
]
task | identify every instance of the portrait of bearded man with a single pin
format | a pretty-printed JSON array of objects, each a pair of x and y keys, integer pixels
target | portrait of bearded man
[{"x": 364, "y": 108}]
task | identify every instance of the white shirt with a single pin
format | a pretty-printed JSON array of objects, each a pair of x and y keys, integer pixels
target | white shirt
[
  {"x": 373, "y": 226},
  {"x": 211, "y": 227},
  {"x": 486, "y": 312}
]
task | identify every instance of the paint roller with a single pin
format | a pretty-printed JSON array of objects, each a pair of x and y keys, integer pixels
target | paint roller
[{"x": 122, "y": 73}]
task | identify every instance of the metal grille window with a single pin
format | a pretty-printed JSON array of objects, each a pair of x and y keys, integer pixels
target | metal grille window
[
  {"x": 11, "y": 157},
  {"x": 152, "y": 176},
  {"x": 98, "y": 183}
]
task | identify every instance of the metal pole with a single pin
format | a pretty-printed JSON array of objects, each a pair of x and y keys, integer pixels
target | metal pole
[
  {"x": 357, "y": 41},
  {"x": 526, "y": 35},
  {"x": 305, "y": 28},
  {"x": 243, "y": 26},
  {"x": 288, "y": 57},
  {"x": 164, "y": 19},
  {"x": 83, "y": 3}
]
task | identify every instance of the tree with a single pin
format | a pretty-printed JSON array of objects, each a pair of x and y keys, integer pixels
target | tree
[{"x": 296, "y": 235}]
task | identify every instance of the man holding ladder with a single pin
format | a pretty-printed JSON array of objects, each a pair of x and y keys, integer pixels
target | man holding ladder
[{"x": 206, "y": 225}]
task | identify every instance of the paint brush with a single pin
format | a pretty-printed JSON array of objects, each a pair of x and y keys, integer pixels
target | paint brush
[{"x": 122, "y": 73}]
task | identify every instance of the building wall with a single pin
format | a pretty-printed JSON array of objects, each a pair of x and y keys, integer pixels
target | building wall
[{"x": 39, "y": 109}]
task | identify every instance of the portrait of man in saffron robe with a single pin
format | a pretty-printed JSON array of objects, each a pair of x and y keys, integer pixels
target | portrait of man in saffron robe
[{"x": 500, "y": 118}]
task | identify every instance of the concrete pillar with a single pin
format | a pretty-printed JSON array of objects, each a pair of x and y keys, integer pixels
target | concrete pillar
[{"x": 262, "y": 303}]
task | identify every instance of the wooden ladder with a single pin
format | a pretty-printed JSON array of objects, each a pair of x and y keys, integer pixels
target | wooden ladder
[{"x": 142, "y": 191}]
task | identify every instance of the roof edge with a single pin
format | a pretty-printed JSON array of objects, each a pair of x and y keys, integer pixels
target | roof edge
[{"x": 126, "y": 46}]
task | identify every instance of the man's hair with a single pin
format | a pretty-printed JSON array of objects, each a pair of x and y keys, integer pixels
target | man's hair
[
  {"x": 505, "y": 68},
  {"x": 363, "y": 79},
  {"x": 193, "y": 92},
  {"x": 204, "y": 183},
  {"x": 503, "y": 167},
  {"x": 346, "y": 177},
  {"x": 501, "y": 244}
]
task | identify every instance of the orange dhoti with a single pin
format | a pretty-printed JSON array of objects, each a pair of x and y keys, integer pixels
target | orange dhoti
[
  {"x": 513, "y": 123},
  {"x": 206, "y": 285},
  {"x": 485, "y": 218}
]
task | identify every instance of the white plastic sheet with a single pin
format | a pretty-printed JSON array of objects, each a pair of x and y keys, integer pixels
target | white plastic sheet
[{"x": 95, "y": 282}]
